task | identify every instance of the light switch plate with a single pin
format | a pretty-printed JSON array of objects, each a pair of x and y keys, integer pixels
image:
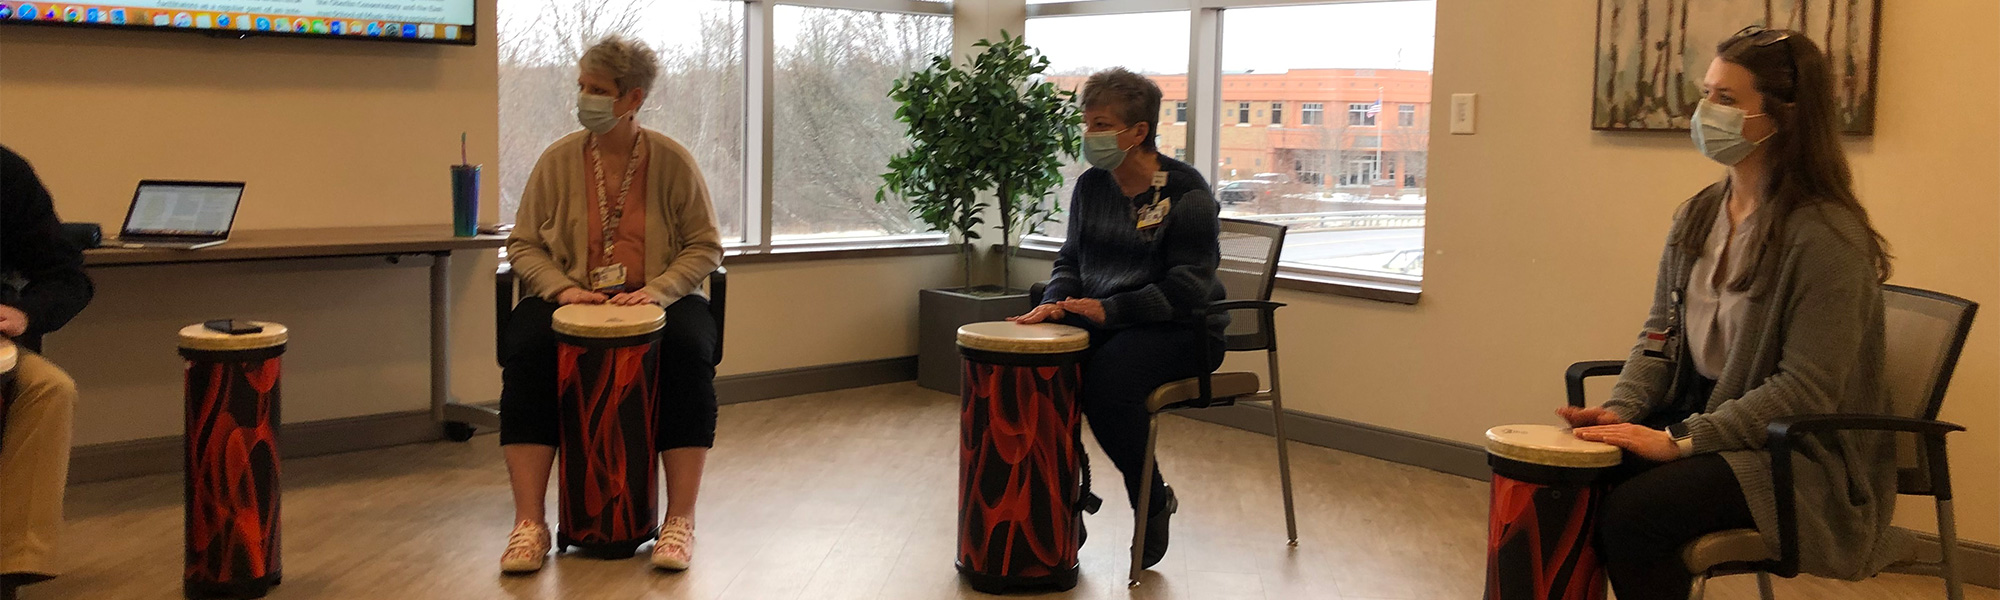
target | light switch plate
[{"x": 1464, "y": 114}]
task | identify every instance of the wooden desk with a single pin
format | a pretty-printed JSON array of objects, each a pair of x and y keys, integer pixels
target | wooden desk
[{"x": 435, "y": 241}]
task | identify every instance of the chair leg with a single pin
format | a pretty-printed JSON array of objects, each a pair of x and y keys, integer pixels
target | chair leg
[
  {"x": 1764, "y": 586},
  {"x": 1284, "y": 468},
  {"x": 1700, "y": 587},
  {"x": 1947, "y": 521},
  {"x": 1144, "y": 504}
]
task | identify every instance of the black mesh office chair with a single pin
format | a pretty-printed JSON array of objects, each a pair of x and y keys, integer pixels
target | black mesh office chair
[
  {"x": 1924, "y": 333},
  {"x": 1248, "y": 270}
]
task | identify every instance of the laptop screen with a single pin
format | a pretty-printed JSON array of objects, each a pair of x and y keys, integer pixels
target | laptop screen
[{"x": 183, "y": 209}]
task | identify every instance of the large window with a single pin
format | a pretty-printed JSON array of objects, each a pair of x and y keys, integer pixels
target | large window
[
  {"x": 834, "y": 125},
  {"x": 1154, "y": 44},
  {"x": 1277, "y": 113},
  {"x": 1350, "y": 189},
  {"x": 697, "y": 98}
]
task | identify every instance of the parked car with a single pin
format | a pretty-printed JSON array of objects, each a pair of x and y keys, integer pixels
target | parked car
[{"x": 1248, "y": 190}]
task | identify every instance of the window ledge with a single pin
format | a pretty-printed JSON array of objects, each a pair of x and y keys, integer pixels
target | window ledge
[
  {"x": 882, "y": 249},
  {"x": 1290, "y": 280}
]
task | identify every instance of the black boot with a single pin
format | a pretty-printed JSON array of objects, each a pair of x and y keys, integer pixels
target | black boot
[{"x": 1156, "y": 530}]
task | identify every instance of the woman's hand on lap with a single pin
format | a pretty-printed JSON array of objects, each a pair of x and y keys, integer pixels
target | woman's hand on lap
[{"x": 1651, "y": 444}]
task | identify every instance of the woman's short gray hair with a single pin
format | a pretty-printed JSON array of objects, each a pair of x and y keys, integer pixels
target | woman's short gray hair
[
  {"x": 626, "y": 61},
  {"x": 1131, "y": 96}
]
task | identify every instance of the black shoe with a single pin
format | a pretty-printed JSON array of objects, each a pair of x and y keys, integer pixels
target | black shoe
[{"x": 1156, "y": 531}]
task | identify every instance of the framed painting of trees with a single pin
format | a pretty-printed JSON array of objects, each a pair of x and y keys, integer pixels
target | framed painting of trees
[{"x": 1652, "y": 54}]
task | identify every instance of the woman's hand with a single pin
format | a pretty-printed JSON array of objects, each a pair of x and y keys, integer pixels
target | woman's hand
[
  {"x": 632, "y": 298},
  {"x": 1046, "y": 312},
  {"x": 1088, "y": 308},
  {"x": 1585, "y": 417},
  {"x": 577, "y": 295},
  {"x": 1651, "y": 444},
  {"x": 13, "y": 322}
]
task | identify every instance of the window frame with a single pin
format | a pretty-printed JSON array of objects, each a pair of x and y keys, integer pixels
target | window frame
[
  {"x": 1242, "y": 114},
  {"x": 1357, "y": 115},
  {"x": 1204, "y": 124},
  {"x": 1312, "y": 113},
  {"x": 1406, "y": 115},
  {"x": 1277, "y": 114}
]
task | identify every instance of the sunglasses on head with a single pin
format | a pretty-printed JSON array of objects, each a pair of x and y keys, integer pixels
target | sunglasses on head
[{"x": 1765, "y": 38}]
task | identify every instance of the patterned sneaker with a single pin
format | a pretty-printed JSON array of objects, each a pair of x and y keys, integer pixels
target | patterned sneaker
[
  {"x": 675, "y": 547},
  {"x": 527, "y": 548}
]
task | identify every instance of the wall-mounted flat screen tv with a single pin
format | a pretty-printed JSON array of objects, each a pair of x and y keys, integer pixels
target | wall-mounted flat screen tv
[{"x": 421, "y": 21}]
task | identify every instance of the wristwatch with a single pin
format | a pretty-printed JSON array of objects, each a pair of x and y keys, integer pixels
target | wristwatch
[{"x": 1683, "y": 438}]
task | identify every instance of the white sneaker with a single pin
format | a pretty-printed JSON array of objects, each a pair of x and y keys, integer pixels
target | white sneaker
[
  {"x": 527, "y": 548},
  {"x": 675, "y": 548}
]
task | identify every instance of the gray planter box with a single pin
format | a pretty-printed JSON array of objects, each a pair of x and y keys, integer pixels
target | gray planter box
[{"x": 940, "y": 312}]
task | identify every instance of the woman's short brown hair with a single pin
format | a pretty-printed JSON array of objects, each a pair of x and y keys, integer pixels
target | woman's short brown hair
[
  {"x": 626, "y": 61},
  {"x": 1131, "y": 96}
]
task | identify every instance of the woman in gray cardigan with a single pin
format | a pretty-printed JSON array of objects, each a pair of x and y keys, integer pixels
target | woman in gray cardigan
[{"x": 1768, "y": 305}]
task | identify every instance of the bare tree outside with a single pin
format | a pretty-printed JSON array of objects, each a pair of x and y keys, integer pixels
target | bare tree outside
[{"x": 697, "y": 98}]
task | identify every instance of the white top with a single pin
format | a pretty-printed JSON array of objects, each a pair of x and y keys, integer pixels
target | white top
[
  {"x": 199, "y": 337},
  {"x": 1549, "y": 445},
  {"x": 609, "y": 321},
  {"x": 1714, "y": 313},
  {"x": 1015, "y": 338}
]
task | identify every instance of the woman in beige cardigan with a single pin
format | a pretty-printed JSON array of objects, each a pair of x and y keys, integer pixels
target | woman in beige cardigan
[{"x": 641, "y": 190}]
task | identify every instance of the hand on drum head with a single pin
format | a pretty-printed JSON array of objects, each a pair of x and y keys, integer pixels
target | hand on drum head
[
  {"x": 631, "y": 299},
  {"x": 13, "y": 322},
  {"x": 1045, "y": 312},
  {"x": 1585, "y": 417},
  {"x": 1651, "y": 444},
  {"x": 577, "y": 295}
]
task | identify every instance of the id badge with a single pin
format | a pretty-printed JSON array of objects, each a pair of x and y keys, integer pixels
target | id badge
[
  {"x": 608, "y": 278},
  {"x": 1657, "y": 342},
  {"x": 1155, "y": 214}
]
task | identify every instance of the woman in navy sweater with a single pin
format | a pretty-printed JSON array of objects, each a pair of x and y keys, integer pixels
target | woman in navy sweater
[{"x": 1136, "y": 271}]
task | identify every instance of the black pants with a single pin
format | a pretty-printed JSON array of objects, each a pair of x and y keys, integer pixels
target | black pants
[
  {"x": 1653, "y": 511},
  {"x": 1123, "y": 368},
  {"x": 528, "y": 413}
]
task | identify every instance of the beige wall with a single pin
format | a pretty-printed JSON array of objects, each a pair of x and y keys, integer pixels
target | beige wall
[{"x": 331, "y": 133}]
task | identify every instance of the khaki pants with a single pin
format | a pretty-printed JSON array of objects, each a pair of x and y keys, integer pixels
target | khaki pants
[{"x": 34, "y": 465}]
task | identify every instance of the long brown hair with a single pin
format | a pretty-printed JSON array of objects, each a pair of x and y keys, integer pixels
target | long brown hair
[{"x": 1808, "y": 167}]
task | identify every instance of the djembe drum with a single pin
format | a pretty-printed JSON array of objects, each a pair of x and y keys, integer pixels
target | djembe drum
[
  {"x": 1544, "y": 512},
  {"x": 1020, "y": 493},
  {"x": 607, "y": 369},
  {"x": 232, "y": 458}
]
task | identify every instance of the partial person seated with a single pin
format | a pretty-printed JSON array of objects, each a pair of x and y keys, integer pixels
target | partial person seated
[{"x": 44, "y": 286}]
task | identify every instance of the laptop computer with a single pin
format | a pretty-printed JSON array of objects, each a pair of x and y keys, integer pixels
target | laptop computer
[{"x": 180, "y": 215}]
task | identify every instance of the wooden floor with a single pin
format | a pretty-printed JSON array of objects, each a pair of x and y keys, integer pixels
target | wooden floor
[{"x": 843, "y": 495}]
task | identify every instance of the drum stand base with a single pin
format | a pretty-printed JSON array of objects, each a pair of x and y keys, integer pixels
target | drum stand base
[
  {"x": 618, "y": 550},
  {"x": 984, "y": 583},
  {"x": 246, "y": 588}
]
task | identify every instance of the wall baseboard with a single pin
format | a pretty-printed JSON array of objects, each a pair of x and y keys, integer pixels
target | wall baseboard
[
  {"x": 1979, "y": 563},
  {"x": 153, "y": 456}
]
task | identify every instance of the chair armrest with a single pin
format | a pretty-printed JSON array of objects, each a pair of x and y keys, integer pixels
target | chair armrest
[
  {"x": 718, "y": 304},
  {"x": 1573, "y": 379},
  {"x": 1223, "y": 306},
  {"x": 1784, "y": 433},
  {"x": 1035, "y": 292}
]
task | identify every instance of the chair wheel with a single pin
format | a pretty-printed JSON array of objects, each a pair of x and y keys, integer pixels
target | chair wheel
[{"x": 458, "y": 432}]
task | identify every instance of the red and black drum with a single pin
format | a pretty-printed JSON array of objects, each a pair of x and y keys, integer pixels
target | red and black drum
[
  {"x": 1545, "y": 501},
  {"x": 1020, "y": 489},
  {"x": 231, "y": 480},
  {"x": 607, "y": 366}
]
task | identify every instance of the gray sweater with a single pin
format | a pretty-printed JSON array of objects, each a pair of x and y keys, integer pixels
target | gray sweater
[
  {"x": 1164, "y": 273},
  {"x": 1812, "y": 342}
]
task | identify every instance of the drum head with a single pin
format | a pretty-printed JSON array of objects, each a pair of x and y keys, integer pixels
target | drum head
[
  {"x": 199, "y": 337},
  {"x": 1015, "y": 338},
  {"x": 609, "y": 321},
  {"x": 1550, "y": 445},
  {"x": 8, "y": 356}
]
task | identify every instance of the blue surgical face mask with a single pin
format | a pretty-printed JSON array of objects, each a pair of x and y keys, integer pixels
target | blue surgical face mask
[
  {"x": 594, "y": 112},
  {"x": 1101, "y": 149},
  {"x": 1718, "y": 132}
]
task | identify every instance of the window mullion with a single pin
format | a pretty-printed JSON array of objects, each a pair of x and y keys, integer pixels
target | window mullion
[{"x": 759, "y": 54}]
